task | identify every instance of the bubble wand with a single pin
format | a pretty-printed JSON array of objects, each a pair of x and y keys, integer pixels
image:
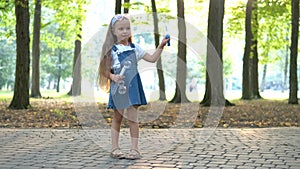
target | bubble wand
[
  {"x": 121, "y": 83},
  {"x": 166, "y": 30}
]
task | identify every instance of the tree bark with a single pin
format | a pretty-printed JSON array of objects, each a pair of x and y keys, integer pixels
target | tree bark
[
  {"x": 76, "y": 84},
  {"x": 263, "y": 81},
  {"x": 285, "y": 70},
  {"x": 59, "y": 70},
  {"x": 161, "y": 81},
  {"x": 118, "y": 7},
  {"x": 293, "y": 95},
  {"x": 35, "y": 79},
  {"x": 246, "y": 94},
  {"x": 21, "y": 88},
  {"x": 180, "y": 91},
  {"x": 126, "y": 10},
  {"x": 254, "y": 70},
  {"x": 214, "y": 95}
]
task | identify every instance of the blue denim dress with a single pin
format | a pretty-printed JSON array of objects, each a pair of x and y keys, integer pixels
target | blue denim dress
[{"x": 134, "y": 94}]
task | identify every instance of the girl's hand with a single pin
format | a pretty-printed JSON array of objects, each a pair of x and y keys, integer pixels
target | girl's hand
[
  {"x": 116, "y": 78},
  {"x": 163, "y": 43}
]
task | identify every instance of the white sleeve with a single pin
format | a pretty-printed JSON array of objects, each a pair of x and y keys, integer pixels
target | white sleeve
[
  {"x": 140, "y": 53},
  {"x": 116, "y": 63}
]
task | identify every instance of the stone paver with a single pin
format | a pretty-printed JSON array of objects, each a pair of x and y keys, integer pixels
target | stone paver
[{"x": 161, "y": 148}]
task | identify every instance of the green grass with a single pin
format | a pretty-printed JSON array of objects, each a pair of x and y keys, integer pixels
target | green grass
[
  {"x": 8, "y": 95},
  {"x": 5, "y": 95},
  {"x": 54, "y": 94},
  {"x": 152, "y": 96}
]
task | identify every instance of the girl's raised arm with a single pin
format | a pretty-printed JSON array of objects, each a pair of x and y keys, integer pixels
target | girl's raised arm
[{"x": 154, "y": 57}]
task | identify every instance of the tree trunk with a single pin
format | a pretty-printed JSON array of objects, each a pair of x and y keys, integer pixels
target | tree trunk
[
  {"x": 263, "y": 80},
  {"x": 118, "y": 7},
  {"x": 35, "y": 79},
  {"x": 285, "y": 69},
  {"x": 293, "y": 98},
  {"x": 246, "y": 94},
  {"x": 59, "y": 70},
  {"x": 58, "y": 82},
  {"x": 180, "y": 94},
  {"x": 76, "y": 84},
  {"x": 254, "y": 70},
  {"x": 161, "y": 81},
  {"x": 126, "y": 10},
  {"x": 21, "y": 88},
  {"x": 206, "y": 101},
  {"x": 214, "y": 95},
  {"x": 49, "y": 83}
]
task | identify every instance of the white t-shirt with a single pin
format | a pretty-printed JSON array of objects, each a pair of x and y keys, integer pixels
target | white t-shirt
[{"x": 140, "y": 53}]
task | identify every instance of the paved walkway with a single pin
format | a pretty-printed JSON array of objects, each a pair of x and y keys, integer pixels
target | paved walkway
[{"x": 173, "y": 148}]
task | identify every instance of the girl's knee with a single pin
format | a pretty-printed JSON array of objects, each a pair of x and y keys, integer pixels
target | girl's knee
[
  {"x": 132, "y": 115},
  {"x": 118, "y": 117},
  {"x": 133, "y": 120}
]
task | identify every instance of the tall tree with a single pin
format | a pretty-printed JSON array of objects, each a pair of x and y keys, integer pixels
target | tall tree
[
  {"x": 59, "y": 71},
  {"x": 180, "y": 94},
  {"x": 214, "y": 63},
  {"x": 118, "y": 7},
  {"x": 293, "y": 98},
  {"x": 76, "y": 84},
  {"x": 263, "y": 79},
  {"x": 286, "y": 65},
  {"x": 21, "y": 89},
  {"x": 270, "y": 34},
  {"x": 35, "y": 79},
  {"x": 69, "y": 30},
  {"x": 246, "y": 92},
  {"x": 126, "y": 8},
  {"x": 254, "y": 53},
  {"x": 161, "y": 81}
]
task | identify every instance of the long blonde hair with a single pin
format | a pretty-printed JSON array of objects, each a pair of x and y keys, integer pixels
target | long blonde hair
[{"x": 104, "y": 69}]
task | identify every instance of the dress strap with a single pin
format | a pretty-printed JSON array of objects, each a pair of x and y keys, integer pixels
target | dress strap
[
  {"x": 114, "y": 48},
  {"x": 132, "y": 45}
]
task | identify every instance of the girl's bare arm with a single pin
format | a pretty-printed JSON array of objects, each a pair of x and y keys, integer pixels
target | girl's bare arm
[{"x": 154, "y": 57}]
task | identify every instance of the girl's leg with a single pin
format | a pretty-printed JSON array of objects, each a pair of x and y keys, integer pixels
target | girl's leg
[
  {"x": 115, "y": 129},
  {"x": 134, "y": 126}
]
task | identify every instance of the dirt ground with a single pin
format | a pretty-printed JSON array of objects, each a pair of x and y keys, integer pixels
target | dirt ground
[{"x": 59, "y": 113}]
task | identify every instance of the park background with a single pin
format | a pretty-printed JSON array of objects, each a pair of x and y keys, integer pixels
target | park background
[{"x": 60, "y": 24}]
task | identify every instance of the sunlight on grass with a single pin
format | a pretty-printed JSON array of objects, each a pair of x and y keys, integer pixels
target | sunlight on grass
[
  {"x": 5, "y": 95},
  {"x": 151, "y": 95},
  {"x": 8, "y": 95},
  {"x": 54, "y": 94}
]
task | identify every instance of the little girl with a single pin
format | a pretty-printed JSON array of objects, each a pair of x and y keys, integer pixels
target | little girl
[{"x": 126, "y": 91}]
